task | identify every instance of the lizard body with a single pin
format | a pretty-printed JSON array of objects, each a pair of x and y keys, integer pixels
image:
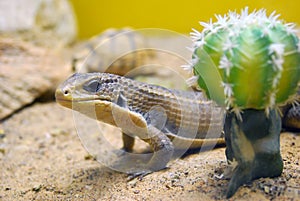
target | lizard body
[{"x": 166, "y": 119}]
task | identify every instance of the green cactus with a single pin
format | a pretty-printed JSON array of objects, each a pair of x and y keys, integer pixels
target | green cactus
[
  {"x": 258, "y": 58},
  {"x": 249, "y": 63}
]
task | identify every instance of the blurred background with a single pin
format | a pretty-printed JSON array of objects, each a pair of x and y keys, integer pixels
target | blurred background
[{"x": 95, "y": 16}]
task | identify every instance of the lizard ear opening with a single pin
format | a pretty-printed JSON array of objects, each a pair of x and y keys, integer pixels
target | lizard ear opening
[{"x": 121, "y": 101}]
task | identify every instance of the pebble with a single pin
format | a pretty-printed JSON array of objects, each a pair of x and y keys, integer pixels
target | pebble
[
  {"x": 2, "y": 133},
  {"x": 37, "y": 187},
  {"x": 136, "y": 191},
  {"x": 132, "y": 183}
]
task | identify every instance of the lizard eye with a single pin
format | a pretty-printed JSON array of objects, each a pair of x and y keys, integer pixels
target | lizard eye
[{"x": 92, "y": 86}]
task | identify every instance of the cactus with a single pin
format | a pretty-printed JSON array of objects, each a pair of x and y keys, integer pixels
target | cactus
[
  {"x": 258, "y": 59},
  {"x": 249, "y": 63}
]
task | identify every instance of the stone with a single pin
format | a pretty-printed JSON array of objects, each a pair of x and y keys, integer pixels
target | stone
[
  {"x": 26, "y": 73},
  {"x": 49, "y": 23},
  {"x": 115, "y": 51}
]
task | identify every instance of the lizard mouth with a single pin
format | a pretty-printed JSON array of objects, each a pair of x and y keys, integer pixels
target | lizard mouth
[
  {"x": 82, "y": 103},
  {"x": 58, "y": 99},
  {"x": 68, "y": 100},
  {"x": 82, "y": 100}
]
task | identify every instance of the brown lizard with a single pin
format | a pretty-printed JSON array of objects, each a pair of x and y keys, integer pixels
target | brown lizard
[{"x": 166, "y": 119}]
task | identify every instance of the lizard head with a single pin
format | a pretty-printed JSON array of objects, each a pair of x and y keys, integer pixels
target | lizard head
[
  {"x": 88, "y": 87},
  {"x": 98, "y": 96}
]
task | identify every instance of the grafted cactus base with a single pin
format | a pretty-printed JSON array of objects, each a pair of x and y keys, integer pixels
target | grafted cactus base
[{"x": 253, "y": 143}]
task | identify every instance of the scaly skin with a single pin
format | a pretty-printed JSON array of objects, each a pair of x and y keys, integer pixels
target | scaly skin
[{"x": 164, "y": 118}]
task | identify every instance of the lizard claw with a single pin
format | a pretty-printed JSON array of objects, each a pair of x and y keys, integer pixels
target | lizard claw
[{"x": 139, "y": 175}]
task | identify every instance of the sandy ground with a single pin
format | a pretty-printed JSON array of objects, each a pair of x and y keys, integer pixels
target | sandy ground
[{"x": 42, "y": 158}]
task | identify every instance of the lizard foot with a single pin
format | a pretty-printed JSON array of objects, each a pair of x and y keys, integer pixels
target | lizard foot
[{"x": 139, "y": 175}]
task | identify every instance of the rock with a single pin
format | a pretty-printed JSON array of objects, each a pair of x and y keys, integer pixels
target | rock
[
  {"x": 115, "y": 51},
  {"x": 49, "y": 23},
  {"x": 267, "y": 189},
  {"x": 26, "y": 72}
]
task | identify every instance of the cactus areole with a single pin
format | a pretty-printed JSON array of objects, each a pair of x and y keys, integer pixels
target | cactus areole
[
  {"x": 257, "y": 57},
  {"x": 249, "y": 63}
]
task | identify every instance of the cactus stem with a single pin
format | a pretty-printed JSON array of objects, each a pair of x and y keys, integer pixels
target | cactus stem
[
  {"x": 291, "y": 53},
  {"x": 212, "y": 47},
  {"x": 237, "y": 65},
  {"x": 259, "y": 51},
  {"x": 284, "y": 37},
  {"x": 255, "y": 144},
  {"x": 244, "y": 53},
  {"x": 222, "y": 41},
  {"x": 219, "y": 36},
  {"x": 244, "y": 47}
]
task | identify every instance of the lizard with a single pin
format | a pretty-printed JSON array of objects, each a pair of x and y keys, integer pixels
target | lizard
[{"x": 166, "y": 119}]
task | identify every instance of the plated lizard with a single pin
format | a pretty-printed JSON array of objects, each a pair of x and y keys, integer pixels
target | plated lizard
[{"x": 166, "y": 119}]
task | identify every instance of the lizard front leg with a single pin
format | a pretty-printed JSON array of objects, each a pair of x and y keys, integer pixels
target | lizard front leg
[
  {"x": 128, "y": 142},
  {"x": 162, "y": 148}
]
